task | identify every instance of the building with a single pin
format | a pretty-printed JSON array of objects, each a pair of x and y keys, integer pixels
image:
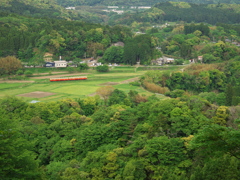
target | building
[
  {"x": 72, "y": 8},
  {"x": 61, "y": 63},
  {"x": 48, "y": 57},
  {"x": 118, "y": 44},
  {"x": 168, "y": 60},
  {"x": 49, "y": 64},
  {"x": 144, "y": 7}
]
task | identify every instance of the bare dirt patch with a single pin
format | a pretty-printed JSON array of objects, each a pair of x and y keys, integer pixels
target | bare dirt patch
[
  {"x": 57, "y": 76},
  {"x": 37, "y": 94},
  {"x": 122, "y": 82},
  {"x": 129, "y": 80},
  {"x": 59, "y": 72}
]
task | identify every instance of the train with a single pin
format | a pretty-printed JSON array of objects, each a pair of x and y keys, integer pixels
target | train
[{"x": 68, "y": 78}]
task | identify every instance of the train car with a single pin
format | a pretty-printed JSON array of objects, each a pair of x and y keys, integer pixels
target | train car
[{"x": 68, "y": 78}]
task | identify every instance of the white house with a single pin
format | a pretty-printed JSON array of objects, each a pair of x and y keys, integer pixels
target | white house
[
  {"x": 112, "y": 7},
  {"x": 61, "y": 63},
  {"x": 73, "y": 8},
  {"x": 144, "y": 7}
]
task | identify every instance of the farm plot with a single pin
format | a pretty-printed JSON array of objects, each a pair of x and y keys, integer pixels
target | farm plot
[
  {"x": 44, "y": 90},
  {"x": 37, "y": 94}
]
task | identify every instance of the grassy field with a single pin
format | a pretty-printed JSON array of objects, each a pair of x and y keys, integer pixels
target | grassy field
[{"x": 75, "y": 89}]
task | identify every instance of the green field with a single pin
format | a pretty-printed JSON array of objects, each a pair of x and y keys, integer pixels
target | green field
[{"x": 75, "y": 89}]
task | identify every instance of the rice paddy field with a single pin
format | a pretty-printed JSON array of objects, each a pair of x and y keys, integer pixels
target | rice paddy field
[{"x": 39, "y": 87}]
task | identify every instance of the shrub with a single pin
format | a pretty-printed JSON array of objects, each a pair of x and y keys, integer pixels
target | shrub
[
  {"x": 155, "y": 88},
  {"x": 83, "y": 66},
  {"x": 179, "y": 61},
  {"x": 103, "y": 68},
  {"x": 28, "y": 73},
  {"x": 135, "y": 83},
  {"x": 19, "y": 72},
  {"x": 175, "y": 93}
]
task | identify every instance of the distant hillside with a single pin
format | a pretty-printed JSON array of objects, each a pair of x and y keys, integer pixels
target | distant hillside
[
  {"x": 66, "y": 3},
  {"x": 182, "y": 11},
  {"x": 37, "y": 8}
]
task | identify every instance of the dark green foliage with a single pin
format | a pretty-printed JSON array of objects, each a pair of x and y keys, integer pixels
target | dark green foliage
[
  {"x": 83, "y": 66},
  {"x": 175, "y": 93},
  {"x": 113, "y": 54},
  {"x": 188, "y": 29},
  {"x": 28, "y": 73},
  {"x": 102, "y": 68},
  {"x": 117, "y": 97},
  {"x": 17, "y": 158},
  {"x": 138, "y": 50},
  {"x": 179, "y": 61}
]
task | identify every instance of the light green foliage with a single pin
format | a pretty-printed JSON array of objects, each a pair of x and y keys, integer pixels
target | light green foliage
[
  {"x": 134, "y": 170},
  {"x": 222, "y": 114},
  {"x": 28, "y": 73}
]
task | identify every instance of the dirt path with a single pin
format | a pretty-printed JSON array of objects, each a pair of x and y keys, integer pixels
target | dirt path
[
  {"x": 58, "y": 72},
  {"x": 115, "y": 83},
  {"x": 15, "y": 81},
  {"x": 57, "y": 76}
]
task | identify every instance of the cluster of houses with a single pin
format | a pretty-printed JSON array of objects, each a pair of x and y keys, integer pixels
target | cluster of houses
[
  {"x": 163, "y": 60},
  {"x": 63, "y": 63},
  {"x": 116, "y": 9},
  {"x": 57, "y": 64}
]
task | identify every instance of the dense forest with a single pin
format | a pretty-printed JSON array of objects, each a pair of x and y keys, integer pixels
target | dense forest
[
  {"x": 182, "y": 12},
  {"x": 115, "y": 135},
  {"x": 30, "y": 38}
]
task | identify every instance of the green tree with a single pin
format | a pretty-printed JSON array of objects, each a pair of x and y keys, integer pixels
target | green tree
[
  {"x": 9, "y": 65},
  {"x": 113, "y": 54},
  {"x": 102, "y": 68},
  {"x": 17, "y": 159}
]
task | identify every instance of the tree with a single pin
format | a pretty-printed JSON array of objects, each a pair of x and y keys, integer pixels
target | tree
[
  {"x": 105, "y": 92},
  {"x": 229, "y": 94},
  {"x": 17, "y": 161},
  {"x": 9, "y": 65},
  {"x": 117, "y": 97},
  {"x": 139, "y": 49},
  {"x": 113, "y": 54},
  {"x": 83, "y": 66}
]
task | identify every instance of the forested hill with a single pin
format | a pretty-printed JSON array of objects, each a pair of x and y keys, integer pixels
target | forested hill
[
  {"x": 37, "y": 8},
  {"x": 186, "y": 12},
  {"x": 136, "y": 2}
]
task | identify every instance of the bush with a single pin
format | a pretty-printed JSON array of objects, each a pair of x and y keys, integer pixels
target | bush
[
  {"x": 28, "y": 73},
  {"x": 83, "y": 66},
  {"x": 179, "y": 61},
  {"x": 103, "y": 68},
  {"x": 135, "y": 83},
  {"x": 155, "y": 88},
  {"x": 19, "y": 72},
  {"x": 176, "y": 93},
  {"x": 70, "y": 69}
]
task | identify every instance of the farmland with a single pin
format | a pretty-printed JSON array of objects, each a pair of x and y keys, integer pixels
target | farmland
[{"x": 118, "y": 77}]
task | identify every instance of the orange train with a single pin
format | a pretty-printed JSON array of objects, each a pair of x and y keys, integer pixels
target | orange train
[{"x": 68, "y": 78}]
